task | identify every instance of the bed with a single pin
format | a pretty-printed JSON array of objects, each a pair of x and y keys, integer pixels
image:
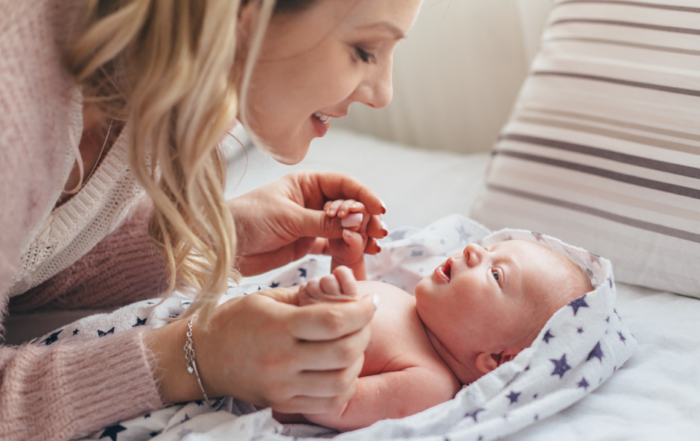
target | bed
[
  {"x": 654, "y": 396},
  {"x": 436, "y": 168}
]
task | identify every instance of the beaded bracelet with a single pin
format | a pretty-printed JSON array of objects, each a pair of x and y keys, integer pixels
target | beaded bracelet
[{"x": 192, "y": 366}]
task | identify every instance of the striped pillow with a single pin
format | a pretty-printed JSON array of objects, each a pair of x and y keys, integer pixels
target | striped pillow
[{"x": 603, "y": 147}]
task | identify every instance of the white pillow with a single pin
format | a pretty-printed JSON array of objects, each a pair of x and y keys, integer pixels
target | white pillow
[{"x": 603, "y": 146}]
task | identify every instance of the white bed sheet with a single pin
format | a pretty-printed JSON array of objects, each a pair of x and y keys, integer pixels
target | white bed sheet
[{"x": 656, "y": 395}]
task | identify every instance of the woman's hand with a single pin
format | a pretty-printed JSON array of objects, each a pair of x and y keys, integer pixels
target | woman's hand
[
  {"x": 264, "y": 349},
  {"x": 282, "y": 221}
]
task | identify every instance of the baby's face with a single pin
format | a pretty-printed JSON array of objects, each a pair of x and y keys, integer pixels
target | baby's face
[{"x": 483, "y": 297}]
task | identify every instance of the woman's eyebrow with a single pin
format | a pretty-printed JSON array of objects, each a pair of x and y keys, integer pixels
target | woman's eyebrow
[{"x": 387, "y": 26}]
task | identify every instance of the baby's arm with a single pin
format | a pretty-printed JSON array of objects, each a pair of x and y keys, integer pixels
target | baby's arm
[
  {"x": 390, "y": 395},
  {"x": 349, "y": 250}
]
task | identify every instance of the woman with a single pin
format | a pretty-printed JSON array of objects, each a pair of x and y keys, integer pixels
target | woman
[{"x": 157, "y": 84}]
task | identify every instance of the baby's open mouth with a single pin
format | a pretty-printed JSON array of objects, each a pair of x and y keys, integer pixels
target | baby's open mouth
[{"x": 444, "y": 271}]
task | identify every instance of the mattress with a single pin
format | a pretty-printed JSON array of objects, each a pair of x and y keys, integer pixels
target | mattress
[{"x": 655, "y": 395}]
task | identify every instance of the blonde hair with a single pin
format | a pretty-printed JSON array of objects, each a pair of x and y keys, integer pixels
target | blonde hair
[{"x": 173, "y": 71}]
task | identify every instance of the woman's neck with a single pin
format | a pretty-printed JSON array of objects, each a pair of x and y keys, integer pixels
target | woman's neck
[{"x": 93, "y": 147}]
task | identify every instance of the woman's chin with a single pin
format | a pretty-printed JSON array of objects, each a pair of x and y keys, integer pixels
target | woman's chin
[{"x": 288, "y": 155}]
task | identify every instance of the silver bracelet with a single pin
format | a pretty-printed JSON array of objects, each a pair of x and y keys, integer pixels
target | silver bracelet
[{"x": 192, "y": 366}]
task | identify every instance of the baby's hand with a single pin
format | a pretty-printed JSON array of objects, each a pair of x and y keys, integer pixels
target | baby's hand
[
  {"x": 340, "y": 286},
  {"x": 348, "y": 250}
]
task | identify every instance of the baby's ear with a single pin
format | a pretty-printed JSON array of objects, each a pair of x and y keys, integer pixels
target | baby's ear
[{"x": 486, "y": 362}]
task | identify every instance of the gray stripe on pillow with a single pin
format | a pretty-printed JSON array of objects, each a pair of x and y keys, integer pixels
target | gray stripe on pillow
[
  {"x": 614, "y": 122},
  {"x": 667, "y": 167},
  {"x": 625, "y": 44},
  {"x": 615, "y": 134},
  {"x": 658, "y": 87},
  {"x": 603, "y": 173},
  {"x": 629, "y": 24},
  {"x": 633, "y": 3},
  {"x": 656, "y": 228}
]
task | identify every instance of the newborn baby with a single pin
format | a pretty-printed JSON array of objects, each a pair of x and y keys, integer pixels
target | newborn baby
[{"x": 476, "y": 311}]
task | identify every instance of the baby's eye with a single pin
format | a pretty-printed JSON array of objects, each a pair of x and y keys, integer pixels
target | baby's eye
[{"x": 495, "y": 275}]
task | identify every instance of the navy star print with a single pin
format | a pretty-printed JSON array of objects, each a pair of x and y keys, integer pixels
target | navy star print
[
  {"x": 597, "y": 352},
  {"x": 474, "y": 414},
  {"x": 547, "y": 336},
  {"x": 622, "y": 337},
  {"x": 75, "y": 332},
  {"x": 560, "y": 366},
  {"x": 463, "y": 235},
  {"x": 302, "y": 272},
  {"x": 513, "y": 397},
  {"x": 112, "y": 432},
  {"x": 53, "y": 338},
  {"x": 583, "y": 383},
  {"x": 274, "y": 284},
  {"x": 140, "y": 322},
  {"x": 538, "y": 236},
  {"x": 102, "y": 333},
  {"x": 578, "y": 303}
]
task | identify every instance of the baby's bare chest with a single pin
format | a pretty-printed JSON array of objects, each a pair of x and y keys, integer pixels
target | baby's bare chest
[{"x": 399, "y": 339}]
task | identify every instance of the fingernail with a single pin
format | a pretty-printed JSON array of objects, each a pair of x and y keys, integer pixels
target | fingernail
[
  {"x": 356, "y": 205},
  {"x": 354, "y": 220},
  {"x": 331, "y": 212},
  {"x": 375, "y": 300},
  {"x": 385, "y": 229},
  {"x": 383, "y": 206}
]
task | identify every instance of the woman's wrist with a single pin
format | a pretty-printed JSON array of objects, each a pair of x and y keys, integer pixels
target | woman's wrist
[{"x": 167, "y": 344}]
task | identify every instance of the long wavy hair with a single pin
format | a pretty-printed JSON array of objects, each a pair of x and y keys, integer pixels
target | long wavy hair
[{"x": 176, "y": 71}]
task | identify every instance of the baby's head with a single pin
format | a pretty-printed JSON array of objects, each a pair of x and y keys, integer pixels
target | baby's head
[{"x": 485, "y": 305}]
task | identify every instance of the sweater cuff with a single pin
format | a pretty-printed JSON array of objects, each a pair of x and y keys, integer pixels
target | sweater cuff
[
  {"x": 114, "y": 378},
  {"x": 77, "y": 388}
]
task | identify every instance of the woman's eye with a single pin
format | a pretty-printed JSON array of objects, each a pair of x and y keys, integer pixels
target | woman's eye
[
  {"x": 495, "y": 275},
  {"x": 365, "y": 56}
]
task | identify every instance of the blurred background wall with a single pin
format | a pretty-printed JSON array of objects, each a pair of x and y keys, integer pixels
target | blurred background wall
[{"x": 457, "y": 74}]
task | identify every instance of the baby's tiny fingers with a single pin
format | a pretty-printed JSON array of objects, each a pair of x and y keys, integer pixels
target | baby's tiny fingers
[
  {"x": 332, "y": 207},
  {"x": 347, "y": 281},
  {"x": 344, "y": 208},
  {"x": 330, "y": 286}
]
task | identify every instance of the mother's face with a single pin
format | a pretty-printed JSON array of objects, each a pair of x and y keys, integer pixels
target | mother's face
[{"x": 315, "y": 63}]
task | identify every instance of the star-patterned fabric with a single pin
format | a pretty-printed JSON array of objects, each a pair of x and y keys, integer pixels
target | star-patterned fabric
[{"x": 579, "y": 348}]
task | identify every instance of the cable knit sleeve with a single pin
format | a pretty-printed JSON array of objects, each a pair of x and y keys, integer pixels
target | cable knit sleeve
[{"x": 71, "y": 389}]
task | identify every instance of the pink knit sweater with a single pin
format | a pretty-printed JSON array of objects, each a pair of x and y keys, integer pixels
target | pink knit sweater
[{"x": 64, "y": 390}]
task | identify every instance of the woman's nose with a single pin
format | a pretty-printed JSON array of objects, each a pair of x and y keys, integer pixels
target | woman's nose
[
  {"x": 376, "y": 90},
  {"x": 474, "y": 254}
]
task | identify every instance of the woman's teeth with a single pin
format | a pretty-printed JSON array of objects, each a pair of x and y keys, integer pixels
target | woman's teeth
[{"x": 322, "y": 117}]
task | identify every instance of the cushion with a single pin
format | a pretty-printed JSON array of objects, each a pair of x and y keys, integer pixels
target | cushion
[{"x": 603, "y": 146}]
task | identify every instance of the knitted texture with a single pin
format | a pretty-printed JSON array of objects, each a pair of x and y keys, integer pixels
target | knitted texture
[
  {"x": 123, "y": 268},
  {"x": 68, "y": 390},
  {"x": 75, "y": 227},
  {"x": 62, "y": 391}
]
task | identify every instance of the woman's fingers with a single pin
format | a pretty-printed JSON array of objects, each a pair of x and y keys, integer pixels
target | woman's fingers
[
  {"x": 331, "y": 355},
  {"x": 323, "y": 186},
  {"x": 377, "y": 228},
  {"x": 330, "y": 383},
  {"x": 330, "y": 321}
]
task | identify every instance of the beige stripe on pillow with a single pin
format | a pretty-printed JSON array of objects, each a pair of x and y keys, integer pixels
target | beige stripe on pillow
[{"x": 603, "y": 146}]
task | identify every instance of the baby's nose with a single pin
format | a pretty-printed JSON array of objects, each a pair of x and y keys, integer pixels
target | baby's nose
[{"x": 473, "y": 254}]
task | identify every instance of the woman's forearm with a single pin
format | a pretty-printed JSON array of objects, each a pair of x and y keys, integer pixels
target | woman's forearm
[{"x": 68, "y": 390}]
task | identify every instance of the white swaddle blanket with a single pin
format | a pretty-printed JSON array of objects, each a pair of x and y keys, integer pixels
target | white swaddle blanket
[{"x": 580, "y": 347}]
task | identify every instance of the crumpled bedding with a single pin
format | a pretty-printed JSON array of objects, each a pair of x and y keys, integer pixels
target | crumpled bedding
[{"x": 581, "y": 346}]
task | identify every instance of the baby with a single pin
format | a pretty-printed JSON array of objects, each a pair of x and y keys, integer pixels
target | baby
[{"x": 476, "y": 311}]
